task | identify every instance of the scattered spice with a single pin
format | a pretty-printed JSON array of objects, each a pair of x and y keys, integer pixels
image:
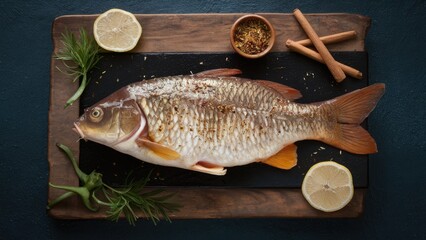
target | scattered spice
[{"x": 252, "y": 36}]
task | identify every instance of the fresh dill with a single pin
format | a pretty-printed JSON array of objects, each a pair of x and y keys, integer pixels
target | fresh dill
[
  {"x": 124, "y": 201},
  {"x": 84, "y": 55}
]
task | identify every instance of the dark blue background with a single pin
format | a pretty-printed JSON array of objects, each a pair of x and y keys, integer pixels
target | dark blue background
[{"x": 395, "y": 202}]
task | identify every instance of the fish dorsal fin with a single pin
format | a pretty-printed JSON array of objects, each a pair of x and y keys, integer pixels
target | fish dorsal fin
[
  {"x": 160, "y": 150},
  {"x": 286, "y": 158},
  {"x": 220, "y": 72},
  {"x": 285, "y": 91}
]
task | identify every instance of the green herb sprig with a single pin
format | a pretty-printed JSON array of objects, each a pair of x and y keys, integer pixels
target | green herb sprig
[
  {"x": 121, "y": 201},
  {"x": 126, "y": 199},
  {"x": 84, "y": 55}
]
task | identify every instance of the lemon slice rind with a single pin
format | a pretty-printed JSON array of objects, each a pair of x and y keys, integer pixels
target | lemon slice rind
[
  {"x": 328, "y": 186},
  {"x": 117, "y": 30}
]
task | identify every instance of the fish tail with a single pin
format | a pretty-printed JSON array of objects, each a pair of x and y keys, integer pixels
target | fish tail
[{"x": 352, "y": 109}]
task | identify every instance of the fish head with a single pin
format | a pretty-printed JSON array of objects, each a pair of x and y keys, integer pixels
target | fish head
[{"x": 111, "y": 121}]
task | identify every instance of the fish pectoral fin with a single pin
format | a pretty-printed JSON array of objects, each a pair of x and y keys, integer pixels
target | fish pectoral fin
[
  {"x": 220, "y": 72},
  {"x": 286, "y": 158},
  {"x": 285, "y": 91},
  {"x": 206, "y": 167},
  {"x": 160, "y": 150}
]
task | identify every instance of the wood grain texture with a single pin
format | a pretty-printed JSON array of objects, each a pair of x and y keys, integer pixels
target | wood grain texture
[
  {"x": 191, "y": 33},
  {"x": 210, "y": 32},
  {"x": 205, "y": 203}
]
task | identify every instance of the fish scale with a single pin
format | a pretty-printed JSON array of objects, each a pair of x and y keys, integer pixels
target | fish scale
[
  {"x": 209, "y": 121},
  {"x": 244, "y": 119}
]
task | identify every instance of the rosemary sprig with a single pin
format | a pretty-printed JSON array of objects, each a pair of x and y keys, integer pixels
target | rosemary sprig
[
  {"x": 125, "y": 200},
  {"x": 84, "y": 55}
]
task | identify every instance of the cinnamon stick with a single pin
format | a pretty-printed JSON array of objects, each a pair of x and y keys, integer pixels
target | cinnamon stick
[
  {"x": 333, "y": 38},
  {"x": 297, "y": 47},
  {"x": 332, "y": 65}
]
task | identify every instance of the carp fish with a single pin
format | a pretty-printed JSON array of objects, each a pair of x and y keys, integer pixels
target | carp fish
[{"x": 212, "y": 120}]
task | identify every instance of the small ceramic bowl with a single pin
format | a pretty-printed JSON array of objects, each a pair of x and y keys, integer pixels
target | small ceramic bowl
[{"x": 252, "y": 36}]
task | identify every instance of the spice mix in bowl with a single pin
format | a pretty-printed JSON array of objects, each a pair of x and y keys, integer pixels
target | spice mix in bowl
[{"x": 252, "y": 36}]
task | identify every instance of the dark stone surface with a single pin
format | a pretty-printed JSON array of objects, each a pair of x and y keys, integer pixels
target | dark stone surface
[
  {"x": 395, "y": 202},
  {"x": 312, "y": 79}
]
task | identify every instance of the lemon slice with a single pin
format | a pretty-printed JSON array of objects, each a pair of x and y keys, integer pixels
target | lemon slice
[
  {"x": 328, "y": 186},
  {"x": 117, "y": 30}
]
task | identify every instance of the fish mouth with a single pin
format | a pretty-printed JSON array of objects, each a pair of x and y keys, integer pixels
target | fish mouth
[{"x": 77, "y": 129}]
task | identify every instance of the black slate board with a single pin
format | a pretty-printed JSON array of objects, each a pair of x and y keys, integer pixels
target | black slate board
[{"x": 311, "y": 78}]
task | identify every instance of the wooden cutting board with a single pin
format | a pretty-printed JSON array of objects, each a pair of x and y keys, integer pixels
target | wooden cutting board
[{"x": 196, "y": 34}]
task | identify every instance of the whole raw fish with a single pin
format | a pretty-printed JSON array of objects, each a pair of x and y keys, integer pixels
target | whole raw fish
[{"x": 212, "y": 120}]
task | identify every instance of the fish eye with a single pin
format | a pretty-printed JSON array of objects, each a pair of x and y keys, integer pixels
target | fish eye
[{"x": 96, "y": 114}]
